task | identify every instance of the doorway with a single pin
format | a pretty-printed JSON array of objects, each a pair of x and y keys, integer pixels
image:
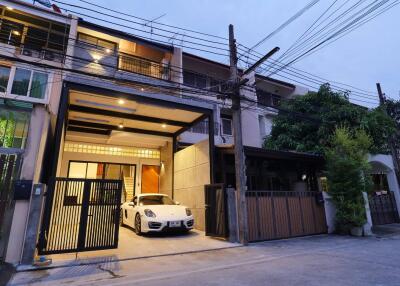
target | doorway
[
  {"x": 106, "y": 171},
  {"x": 150, "y": 179}
]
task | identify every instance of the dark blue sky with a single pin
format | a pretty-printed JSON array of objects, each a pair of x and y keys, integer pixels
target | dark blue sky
[{"x": 361, "y": 58}]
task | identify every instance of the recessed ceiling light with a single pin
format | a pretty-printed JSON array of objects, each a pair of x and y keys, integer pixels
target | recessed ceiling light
[
  {"x": 121, "y": 101},
  {"x": 164, "y": 125},
  {"x": 142, "y": 89},
  {"x": 120, "y": 126},
  {"x": 108, "y": 51}
]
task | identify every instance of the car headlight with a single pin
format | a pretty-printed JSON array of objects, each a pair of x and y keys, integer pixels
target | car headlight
[
  {"x": 149, "y": 213},
  {"x": 188, "y": 212}
]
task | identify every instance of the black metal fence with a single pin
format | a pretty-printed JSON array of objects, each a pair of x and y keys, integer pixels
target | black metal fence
[
  {"x": 383, "y": 209},
  {"x": 81, "y": 215},
  {"x": 143, "y": 66},
  {"x": 281, "y": 214},
  {"x": 9, "y": 171}
]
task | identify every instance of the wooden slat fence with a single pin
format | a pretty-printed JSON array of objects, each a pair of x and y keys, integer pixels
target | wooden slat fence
[{"x": 281, "y": 214}]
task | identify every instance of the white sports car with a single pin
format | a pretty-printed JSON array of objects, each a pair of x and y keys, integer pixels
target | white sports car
[{"x": 155, "y": 213}]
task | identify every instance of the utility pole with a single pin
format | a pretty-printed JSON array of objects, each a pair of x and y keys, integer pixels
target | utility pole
[
  {"x": 391, "y": 141},
  {"x": 240, "y": 160},
  {"x": 240, "y": 165}
]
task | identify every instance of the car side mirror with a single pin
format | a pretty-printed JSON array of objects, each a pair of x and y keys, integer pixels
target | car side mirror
[
  {"x": 131, "y": 204},
  {"x": 177, "y": 203}
]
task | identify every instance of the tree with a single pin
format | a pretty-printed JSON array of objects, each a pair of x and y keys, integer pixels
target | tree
[
  {"x": 347, "y": 166},
  {"x": 306, "y": 123}
]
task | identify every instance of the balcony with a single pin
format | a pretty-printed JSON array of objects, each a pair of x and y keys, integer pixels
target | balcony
[{"x": 143, "y": 66}]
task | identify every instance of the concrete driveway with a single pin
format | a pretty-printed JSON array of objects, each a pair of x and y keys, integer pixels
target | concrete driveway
[
  {"x": 318, "y": 260},
  {"x": 132, "y": 246}
]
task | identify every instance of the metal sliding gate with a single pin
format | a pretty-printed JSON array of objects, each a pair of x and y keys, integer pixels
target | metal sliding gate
[
  {"x": 280, "y": 214},
  {"x": 216, "y": 211},
  {"x": 80, "y": 215},
  {"x": 383, "y": 209}
]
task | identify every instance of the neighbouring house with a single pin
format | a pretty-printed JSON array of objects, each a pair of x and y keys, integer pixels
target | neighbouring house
[{"x": 83, "y": 106}]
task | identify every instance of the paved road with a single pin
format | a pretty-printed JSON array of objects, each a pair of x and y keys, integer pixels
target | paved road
[{"x": 318, "y": 260}]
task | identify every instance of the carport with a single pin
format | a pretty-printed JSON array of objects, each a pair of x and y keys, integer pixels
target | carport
[{"x": 104, "y": 141}]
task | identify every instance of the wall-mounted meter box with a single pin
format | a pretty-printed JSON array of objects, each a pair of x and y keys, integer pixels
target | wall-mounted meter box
[{"x": 22, "y": 189}]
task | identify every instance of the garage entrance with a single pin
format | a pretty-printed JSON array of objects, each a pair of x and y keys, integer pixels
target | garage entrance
[{"x": 109, "y": 147}]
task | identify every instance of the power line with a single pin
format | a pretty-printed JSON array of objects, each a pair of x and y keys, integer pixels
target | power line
[
  {"x": 372, "y": 9},
  {"x": 157, "y": 23},
  {"x": 285, "y": 24},
  {"x": 137, "y": 29}
]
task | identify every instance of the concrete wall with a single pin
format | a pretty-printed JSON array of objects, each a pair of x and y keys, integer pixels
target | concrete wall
[
  {"x": 31, "y": 169},
  {"x": 191, "y": 173},
  {"x": 166, "y": 169}
]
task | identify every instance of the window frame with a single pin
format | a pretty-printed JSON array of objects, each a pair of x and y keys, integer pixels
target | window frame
[
  {"x": 97, "y": 46},
  {"x": 27, "y": 98},
  {"x": 222, "y": 126}
]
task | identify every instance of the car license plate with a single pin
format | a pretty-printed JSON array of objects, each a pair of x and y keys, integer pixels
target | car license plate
[{"x": 174, "y": 224}]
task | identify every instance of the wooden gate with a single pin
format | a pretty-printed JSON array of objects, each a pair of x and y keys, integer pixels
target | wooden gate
[
  {"x": 280, "y": 214},
  {"x": 216, "y": 211},
  {"x": 81, "y": 215},
  {"x": 383, "y": 209}
]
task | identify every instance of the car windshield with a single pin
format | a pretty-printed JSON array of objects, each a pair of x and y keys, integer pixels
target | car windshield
[{"x": 155, "y": 200}]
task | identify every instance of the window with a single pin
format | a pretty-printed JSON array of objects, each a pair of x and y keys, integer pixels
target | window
[
  {"x": 226, "y": 126},
  {"x": 34, "y": 33},
  {"x": 13, "y": 127},
  {"x": 195, "y": 80},
  {"x": 97, "y": 42},
  {"x": 4, "y": 77},
  {"x": 29, "y": 83},
  {"x": 265, "y": 98}
]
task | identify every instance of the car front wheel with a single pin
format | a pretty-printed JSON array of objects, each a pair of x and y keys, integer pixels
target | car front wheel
[{"x": 138, "y": 225}]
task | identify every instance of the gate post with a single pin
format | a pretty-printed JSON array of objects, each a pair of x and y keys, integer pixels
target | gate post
[
  {"x": 368, "y": 225},
  {"x": 232, "y": 215}
]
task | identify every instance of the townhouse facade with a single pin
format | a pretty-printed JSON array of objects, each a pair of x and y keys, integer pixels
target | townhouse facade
[{"x": 91, "y": 116}]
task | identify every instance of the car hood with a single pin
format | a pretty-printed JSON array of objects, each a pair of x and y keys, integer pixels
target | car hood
[{"x": 167, "y": 211}]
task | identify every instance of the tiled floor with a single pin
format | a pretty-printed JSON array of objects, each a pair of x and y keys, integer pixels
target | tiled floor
[{"x": 132, "y": 246}]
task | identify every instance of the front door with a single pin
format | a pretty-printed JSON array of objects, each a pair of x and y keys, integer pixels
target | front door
[{"x": 150, "y": 179}]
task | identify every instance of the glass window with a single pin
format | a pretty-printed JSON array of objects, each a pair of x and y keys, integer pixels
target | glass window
[
  {"x": 39, "y": 85},
  {"x": 13, "y": 128},
  {"x": 21, "y": 82},
  {"x": 155, "y": 200},
  {"x": 226, "y": 126},
  {"x": 4, "y": 76},
  {"x": 77, "y": 170}
]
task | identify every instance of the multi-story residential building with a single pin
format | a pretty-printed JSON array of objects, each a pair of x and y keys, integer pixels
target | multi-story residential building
[{"x": 92, "y": 116}]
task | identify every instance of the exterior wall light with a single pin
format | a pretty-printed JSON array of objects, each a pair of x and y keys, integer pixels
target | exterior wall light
[
  {"x": 121, "y": 101},
  {"x": 108, "y": 51},
  {"x": 164, "y": 125},
  {"x": 96, "y": 58},
  {"x": 120, "y": 126},
  {"x": 10, "y": 8},
  {"x": 16, "y": 33}
]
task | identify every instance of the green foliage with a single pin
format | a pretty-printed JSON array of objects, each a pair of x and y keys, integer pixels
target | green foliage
[
  {"x": 327, "y": 110},
  {"x": 346, "y": 165}
]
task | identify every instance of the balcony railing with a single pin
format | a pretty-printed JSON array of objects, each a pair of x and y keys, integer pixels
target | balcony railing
[{"x": 143, "y": 66}]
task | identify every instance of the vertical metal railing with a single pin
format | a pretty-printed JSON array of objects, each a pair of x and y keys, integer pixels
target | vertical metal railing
[
  {"x": 144, "y": 66},
  {"x": 84, "y": 216}
]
